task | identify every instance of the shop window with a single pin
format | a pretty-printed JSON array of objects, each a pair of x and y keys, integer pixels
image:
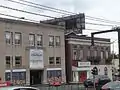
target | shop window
[
  {"x": 54, "y": 75},
  {"x": 19, "y": 78}
]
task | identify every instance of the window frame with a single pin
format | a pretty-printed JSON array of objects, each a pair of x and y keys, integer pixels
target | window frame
[
  {"x": 51, "y": 43},
  {"x": 32, "y": 43},
  {"x": 8, "y": 65},
  {"x": 58, "y": 60},
  {"x": 57, "y": 43},
  {"x": 18, "y": 65},
  {"x": 19, "y": 41},
  {"x": 39, "y": 42},
  {"x": 9, "y": 41},
  {"x": 52, "y": 62}
]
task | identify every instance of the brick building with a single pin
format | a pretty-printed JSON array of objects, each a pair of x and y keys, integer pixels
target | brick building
[{"x": 80, "y": 56}]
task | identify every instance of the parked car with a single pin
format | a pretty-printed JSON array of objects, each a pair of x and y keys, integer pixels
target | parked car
[
  {"x": 114, "y": 85},
  {"x": 99, "y": 81},
  {"x": 18, "y": 88}
]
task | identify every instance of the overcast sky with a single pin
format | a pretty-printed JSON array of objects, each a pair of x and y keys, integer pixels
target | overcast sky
[{"x": 106, "y": 9}]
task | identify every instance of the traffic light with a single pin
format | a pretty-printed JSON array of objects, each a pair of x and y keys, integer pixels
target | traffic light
[{"x": 94, "y": 71}]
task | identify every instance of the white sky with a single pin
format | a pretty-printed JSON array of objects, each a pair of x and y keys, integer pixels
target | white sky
[{"x": 106, "y": 9}]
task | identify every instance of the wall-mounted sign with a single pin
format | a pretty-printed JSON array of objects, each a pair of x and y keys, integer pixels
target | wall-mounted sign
[
  {"x": 36, "y": 58},
  {"x": 83, "y": 64}
]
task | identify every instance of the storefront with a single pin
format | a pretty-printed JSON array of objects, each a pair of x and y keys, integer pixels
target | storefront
[
  {"x": 82, "y": 72},
  {"x": 54, "y": 74},
  {"x": 36, "y": 65},
  {"x": 18, "y": 76}
]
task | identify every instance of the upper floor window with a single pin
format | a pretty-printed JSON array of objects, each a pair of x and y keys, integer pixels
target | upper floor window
[
  {"x": 102, "y": 54},
  {"x": 58, "y": 60},
  {"x": 88, "y": 53},
  {"x": 106, "y": 54},
  {"x": 74, "y": 54},
  {"x": 51, "y": 40},
  {"x": 81, "y": 54},
  {"x": 8, "y": 60},
  {"x": 18, "y": 61},
  {"x": 57, "y": 40},
  {"x": 8, "y": 37},
  {"x": 32, "y": 39},
  {"x": 95, "y": 53},
  {"x": 51, "y": 60},
  {"x": 39, "y": 40},
  {"x": 18, "y": 38}
]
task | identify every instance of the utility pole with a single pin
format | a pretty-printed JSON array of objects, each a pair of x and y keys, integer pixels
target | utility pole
[
  {"x": 117, "y": 29},
  {"x": 119, "y": 52}
]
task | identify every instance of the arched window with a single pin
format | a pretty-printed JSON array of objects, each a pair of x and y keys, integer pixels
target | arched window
[{"x": 105, "y": 71}]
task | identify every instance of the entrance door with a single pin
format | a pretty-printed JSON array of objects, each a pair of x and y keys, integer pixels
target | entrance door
[
  {"x": 35, "y": 76},
  {"x": 82, "y": 76}
]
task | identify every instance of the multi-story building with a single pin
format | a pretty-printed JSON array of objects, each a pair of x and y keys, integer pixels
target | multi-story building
[
  {"x": 81, "y": 57},
  {"x": 31, "y": 53}
]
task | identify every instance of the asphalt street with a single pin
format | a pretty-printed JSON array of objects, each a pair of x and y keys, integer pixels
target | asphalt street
[{"x": 64, "y": 87}]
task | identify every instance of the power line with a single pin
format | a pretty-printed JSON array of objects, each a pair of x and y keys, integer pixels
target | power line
[
  {"x": 37, "y": 7},
  {"x": 67, "y": 12},
  {"x": 47, "y": 7},
  {"x": 35, "y": 20},
  {"x": 18, "y": 17},
  {"x": 46, "y": 15},
  {"x": 25, "y": 11},
  {"x": 57, "y": 11},
  {"x": 98, "y": 24}
]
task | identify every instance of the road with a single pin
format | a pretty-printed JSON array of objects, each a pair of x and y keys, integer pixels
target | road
[{"x": 63, "y": 87}]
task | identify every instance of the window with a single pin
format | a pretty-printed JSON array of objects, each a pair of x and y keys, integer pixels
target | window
[
  {"x": 58, "y": 60},
  {"x": 39, "y": 40},
  {"x": 102, "y": 54},
  {"x": 7, "y": 58},
  {"x": 106, "y": 54},
  {"x": 57, "y": 40},
  {"x": 74, "y": 54},
  {"x": 32, "y": 39},
  {"x": 51, "y": 60},
  {"x": 18, "y": 61},
  {"x": 81, "y": 54},
  {"x": 18, "y": 38},
  {"x": 51, "y": 40},
  {"x": 8, "y": 37},
  {"x": 88, "y": 53},
  {"x": 95, "y": 53}
]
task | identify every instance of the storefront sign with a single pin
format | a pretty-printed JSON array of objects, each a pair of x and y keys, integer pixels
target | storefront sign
[
  {"x": 83, "y": 64},
  {"x": 36, "y": 58}
]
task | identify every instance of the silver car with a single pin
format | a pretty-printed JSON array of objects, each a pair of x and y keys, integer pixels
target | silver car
[{"x": 18, "y": 88}]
